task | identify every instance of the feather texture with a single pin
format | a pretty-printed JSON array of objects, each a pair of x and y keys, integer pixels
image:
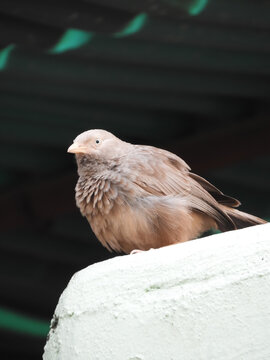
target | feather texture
[{"x": 142, "y": 197}]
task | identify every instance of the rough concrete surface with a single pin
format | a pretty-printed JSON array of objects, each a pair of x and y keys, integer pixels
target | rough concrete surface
[{"x": 204, "y": 299}]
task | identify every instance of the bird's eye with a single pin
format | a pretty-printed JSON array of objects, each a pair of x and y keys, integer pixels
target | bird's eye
[{"x": 97, "y": 141}]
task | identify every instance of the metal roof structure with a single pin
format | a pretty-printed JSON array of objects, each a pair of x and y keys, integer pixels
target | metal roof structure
[{"x": 191, "y": 76}]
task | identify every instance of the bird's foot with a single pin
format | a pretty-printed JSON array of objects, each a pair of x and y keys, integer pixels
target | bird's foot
[{"x": 137, "y": 251}]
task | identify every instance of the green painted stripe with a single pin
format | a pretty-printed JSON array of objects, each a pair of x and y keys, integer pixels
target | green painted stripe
[
  {"x": 70, "y": 40},
  {"x": 135, "y": 25},
  {"x": 23, "y": 324},
  {"x": 4, "y": 55},
  {"x": 197, "y": 7}
]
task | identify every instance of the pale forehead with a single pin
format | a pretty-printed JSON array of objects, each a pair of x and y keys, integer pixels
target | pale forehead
[{"x": 97, "y": 133}]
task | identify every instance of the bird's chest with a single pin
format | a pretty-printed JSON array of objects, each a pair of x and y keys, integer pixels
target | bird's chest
[
  {"x": 99, "y": 197},
  {"x": 118, "y": 212},
  {"x": 94, "y": 196}
]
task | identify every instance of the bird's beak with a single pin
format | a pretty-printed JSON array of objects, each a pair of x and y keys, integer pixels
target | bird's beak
[{"x": 76, "y": 149}]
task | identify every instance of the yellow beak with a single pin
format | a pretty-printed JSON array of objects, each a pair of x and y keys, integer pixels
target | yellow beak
[{"x": 76, "y": 149}]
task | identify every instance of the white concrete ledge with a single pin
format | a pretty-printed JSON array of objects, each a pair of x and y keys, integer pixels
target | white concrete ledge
[{"x": 201, "y": 300}]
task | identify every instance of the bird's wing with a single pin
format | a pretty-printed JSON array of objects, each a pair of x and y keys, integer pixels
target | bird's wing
[
  {"x": 216, "y": 193},
  {"x": 161, "y": 173},
  {"x": 157, "y": 171}
]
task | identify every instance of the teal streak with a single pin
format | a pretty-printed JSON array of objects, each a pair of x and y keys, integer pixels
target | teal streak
[
  {"x": 4, "y": 55},
  {"x": 23, "y": 324},
  {"x": 197, "y": 7},
  {"x": 72, "y": 39},
  {"x": 135, "y": 25}
]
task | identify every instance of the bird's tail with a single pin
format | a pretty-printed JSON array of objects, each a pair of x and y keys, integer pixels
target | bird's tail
[{"x": 242, "y": 219}]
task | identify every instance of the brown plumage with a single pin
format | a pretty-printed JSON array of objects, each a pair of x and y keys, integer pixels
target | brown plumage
[{"x": 142, "y": 197}]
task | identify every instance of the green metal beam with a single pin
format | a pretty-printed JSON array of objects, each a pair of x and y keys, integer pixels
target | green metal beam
[
  {"x": 70, "y": 40},
  {"x": 20, "y": 323},
  {"x": 4, "y": 56},
  {"x": 134, "y": 26},
  {"x": 197, "y": 7}
]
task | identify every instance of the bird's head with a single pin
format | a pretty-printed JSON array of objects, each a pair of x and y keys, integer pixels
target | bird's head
[{"x": 97, "y": 146}]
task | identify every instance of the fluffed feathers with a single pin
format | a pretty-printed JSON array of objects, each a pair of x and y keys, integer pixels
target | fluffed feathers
[{"x": 142, "y": 197}]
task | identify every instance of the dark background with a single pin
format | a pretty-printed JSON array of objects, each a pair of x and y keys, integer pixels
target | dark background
[{"x": 190, "y": 76}]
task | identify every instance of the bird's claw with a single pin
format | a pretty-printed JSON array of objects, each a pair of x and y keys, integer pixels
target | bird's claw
[{"x": 137, "y": 251}]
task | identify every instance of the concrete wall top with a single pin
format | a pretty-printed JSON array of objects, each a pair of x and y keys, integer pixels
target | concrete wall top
[{"x": 204, "y": 299}]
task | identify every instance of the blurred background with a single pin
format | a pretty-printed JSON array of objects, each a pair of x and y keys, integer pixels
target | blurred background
[{"x": 191, "y": 76}]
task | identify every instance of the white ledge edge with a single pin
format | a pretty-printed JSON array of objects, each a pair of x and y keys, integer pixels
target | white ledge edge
[{"x": 204, "y": 299}]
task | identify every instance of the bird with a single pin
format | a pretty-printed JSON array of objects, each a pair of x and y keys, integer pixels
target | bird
[{"x": 143, "y": 197}]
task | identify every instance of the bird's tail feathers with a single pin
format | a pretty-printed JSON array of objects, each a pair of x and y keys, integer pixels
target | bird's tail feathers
[{"x": 242, "y": 219}]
